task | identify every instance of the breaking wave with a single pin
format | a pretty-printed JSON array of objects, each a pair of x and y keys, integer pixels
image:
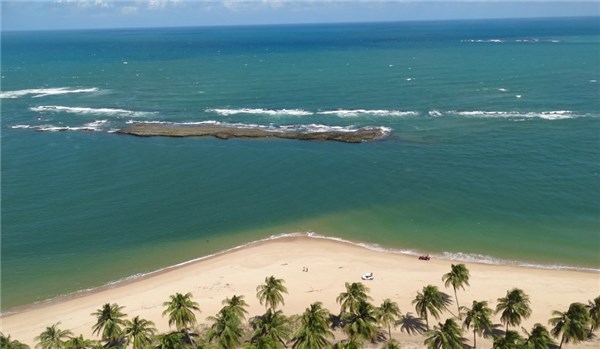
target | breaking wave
[
  {"x": 94, "y": 111},
  {"x": 547, "y": 115},
  {"x": 302, "y": 112},
  {"x": 97, "y": 125},
  {"x": 485, "y": 259},
  {"x": 309, "y": 128},
  {"x": 43, "y": 92},
  {"x": 375, "y": 112},
  {"x": 260, "y": 111},
  {"x": 357, "y": 113},
  {"x": 501, "y": 41}
]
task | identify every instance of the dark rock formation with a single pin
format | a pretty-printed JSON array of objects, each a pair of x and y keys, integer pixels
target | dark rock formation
[{"x": 364, "y": 134}]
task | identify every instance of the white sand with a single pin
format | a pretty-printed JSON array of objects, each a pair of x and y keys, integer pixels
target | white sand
[{"x": 330, "y": 265}]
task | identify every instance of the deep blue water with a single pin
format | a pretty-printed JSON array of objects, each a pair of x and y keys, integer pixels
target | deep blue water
[{"x": 493, "y": 153}]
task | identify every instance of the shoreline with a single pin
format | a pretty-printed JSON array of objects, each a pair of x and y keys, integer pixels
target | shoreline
[
  {"x": 285, "y": 236},
  {"x": 332, "y": 263}
]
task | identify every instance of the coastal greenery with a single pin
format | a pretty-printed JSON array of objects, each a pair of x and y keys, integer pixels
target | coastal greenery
[
  {"x": 458, "y": 277},
  {"x": 429, "y": 301},
  {"x": 477, "y": 317},
  {"x": 360, "y": 323},
  {"x": 513, "y": 308}
]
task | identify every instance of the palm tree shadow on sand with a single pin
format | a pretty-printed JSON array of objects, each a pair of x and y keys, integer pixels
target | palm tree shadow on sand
[
  {"x": 447, "y": 302},
  {"x": 411, "y": 324},
  {"x": 497, "y": 330},
  {"x": 335, "y": 321}
]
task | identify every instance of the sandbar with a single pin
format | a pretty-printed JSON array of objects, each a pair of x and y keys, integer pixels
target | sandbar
[{"x": 330, "y": 265}]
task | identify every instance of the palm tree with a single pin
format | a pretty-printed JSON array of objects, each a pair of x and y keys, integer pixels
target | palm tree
[
  {"x": 81, "y": 343},
  {"x": 361, "y": 324},
  {"x": 348, "y": 344},
  {"x": 110, "y": 320},
  {"x": 7, "y": 343},
  {"x": 265, "y": 343},
  {"x": 355, "y": 294},
  {"x": 180, "y": 310},
  {"x": 271, "y": 292},
  {"x": 539, "y": 338},
  {"x": 594, "y": 310},
  {"x": 510, "y": 340},
  {"x": 172, "y": 340},
  {"x": 227, "y": 326},
  {"x": 457, "y": 277},
  {"x": 431, "y": 300},
  {"x": 445, "y": 336},
  {"x": 571, "y": 325},
  {"x": 273, "y": 328},
  {"x": 478, "y": 317},
  {"x": 139, "y": 332},
  {"x": 53, "y": 337},
  {"x": 238, "y": 305},
  {"x": 514, "y": 307},
  {"x": 314, "y": 331},
  {"x": 388, "y": 314},
  {"x": 391, "y": 344}
]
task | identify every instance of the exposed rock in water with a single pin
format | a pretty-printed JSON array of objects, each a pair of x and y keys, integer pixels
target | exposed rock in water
[{"x": 358, "y": 135}]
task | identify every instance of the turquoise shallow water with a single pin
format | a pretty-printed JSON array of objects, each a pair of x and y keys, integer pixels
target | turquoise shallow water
[{"x": 493, "y": 154}]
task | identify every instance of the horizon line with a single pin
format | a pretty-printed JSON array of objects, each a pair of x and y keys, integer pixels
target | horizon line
[{"x": 302, "y": 24}]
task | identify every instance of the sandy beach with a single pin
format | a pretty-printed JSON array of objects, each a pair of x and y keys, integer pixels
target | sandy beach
[{"x": 330, "y": 264}]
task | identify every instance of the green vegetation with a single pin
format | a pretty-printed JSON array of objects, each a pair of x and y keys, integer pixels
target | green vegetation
[
  {"x": 429, "y": 301},
  {"x": 539, "y": 338},
  {"x": 445, "y": 336},
  {"x": 458, "y": 277},
  {"x": 362, "y": 324},
  {"x": 514, "y": 307},
  {"x": 271, "y": 292},
  {"x": 53, "y": 337},
  {"x": 571, "y": 325},
  {"x": 314, "y": 331},
  {"x": 388, "y": 314},
  {"x": 478, "y": 318}
]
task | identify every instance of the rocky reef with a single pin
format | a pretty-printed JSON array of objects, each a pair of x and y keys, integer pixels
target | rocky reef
[{"x": 358, "y": 135}]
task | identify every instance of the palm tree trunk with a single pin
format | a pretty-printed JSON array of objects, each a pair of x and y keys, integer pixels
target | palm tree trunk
[
  {"x": 474, "y": 339},
  {"x": 427, "y": 321},
  {"x": 390, "y": 331},
  {"x": 457, "y": 306},
  {"x": 561, "y": 341}
]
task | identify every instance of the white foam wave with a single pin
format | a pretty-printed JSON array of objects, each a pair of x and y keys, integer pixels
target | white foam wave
[
  {"x": 96, "y": 125},
  {"x": 43, "y": 92},
  {"x": 309, "y": 128},
  {"x": 485, "y": 259},
  {"x": 495, "y": 41},
  {"x": 501, "y": 41},
  {"x": 260, "y": 111},
  {"x": 94, "y": 111},
  {"x": 370, "y": 112},
  {"x": 457, "y": 256},
  {"x": 547, "y": 115},
  {"x": 302, "y": 112}
]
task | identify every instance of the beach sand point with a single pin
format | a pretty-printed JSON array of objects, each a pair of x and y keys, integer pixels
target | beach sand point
[{"x": 331, "y": 264}]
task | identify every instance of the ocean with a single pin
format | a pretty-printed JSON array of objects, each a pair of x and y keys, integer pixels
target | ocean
[{"x": 493, "y": 153}]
